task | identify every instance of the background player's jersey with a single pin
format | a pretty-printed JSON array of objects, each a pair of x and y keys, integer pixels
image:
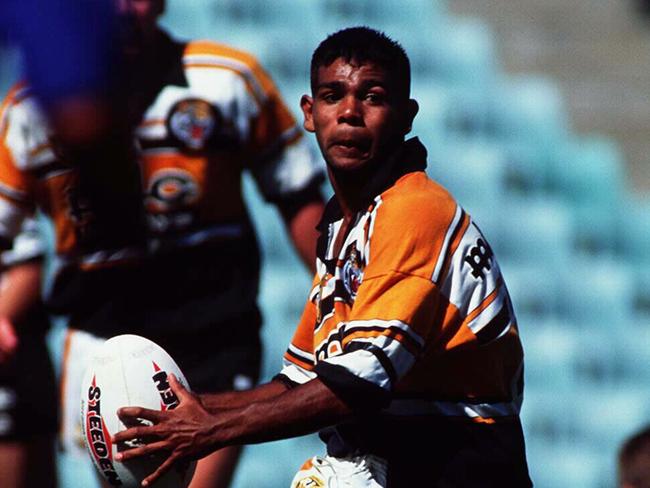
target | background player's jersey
[
  {"x": 411, "y": 319},
  {"x": 205, "y": 114}
]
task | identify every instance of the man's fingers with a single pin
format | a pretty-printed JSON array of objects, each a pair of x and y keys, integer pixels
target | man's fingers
[
  {"x": 178, "y": 388},
  {"x": 142, "y": 450},
  {"x": 128, "y": 415},
  {"x": 162, "y": 469}
]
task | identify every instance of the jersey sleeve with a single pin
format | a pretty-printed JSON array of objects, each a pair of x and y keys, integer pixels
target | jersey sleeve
[
  {"x": 18, "y": 142},
  {"x": 298, "y": 361},
  {"x": 283, "y": 162}
]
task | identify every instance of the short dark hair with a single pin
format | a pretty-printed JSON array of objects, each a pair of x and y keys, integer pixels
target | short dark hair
[
  {"x": 634, "y": 460},
  {"x": 363, "y": 45}
]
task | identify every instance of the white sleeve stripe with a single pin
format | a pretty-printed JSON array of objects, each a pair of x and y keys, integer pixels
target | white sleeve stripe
[
  {"x": 225, "y": 62},
  {"x": 296, "y": 373},
  {"x": 364, "y": 364},
  {"x": 401, "y": 359},
  {"x": 386, "y": 324},
  {"x": 301, "y": 354},
  {"x": 446, "y": 243},
  {"x": 489, "y": 313}
]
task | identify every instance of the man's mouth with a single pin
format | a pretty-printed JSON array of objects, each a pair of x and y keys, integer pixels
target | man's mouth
[{"x": 351, "y": 147}]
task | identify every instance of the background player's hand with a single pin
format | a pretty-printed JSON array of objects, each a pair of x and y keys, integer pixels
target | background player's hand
[
  {"x": 8, "y": 340},
  {"x": 186, "y": 432}
]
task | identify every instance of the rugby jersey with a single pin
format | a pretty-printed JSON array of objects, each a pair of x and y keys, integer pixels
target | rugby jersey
[
  {"x": 203, "y": 113},
  {"x": 411, "y": 319}
]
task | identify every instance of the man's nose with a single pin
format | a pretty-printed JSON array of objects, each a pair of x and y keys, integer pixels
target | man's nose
[{"x": 350, "y": 110}]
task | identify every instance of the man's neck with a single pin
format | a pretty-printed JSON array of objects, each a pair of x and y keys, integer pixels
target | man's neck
[{"x": 354, "y": 189}]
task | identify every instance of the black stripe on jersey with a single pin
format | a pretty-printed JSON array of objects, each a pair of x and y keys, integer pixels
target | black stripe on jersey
[
  {"x": 302, "y": 359},
  {"x": 379, "y": 354},
  {"x": 495, "y": 326},
  {"x": 326, "y": 307},
  {"x": 409, "y": 343},
  {"x": 448, "y": 251},
  {"x": 356, "y": 392}
]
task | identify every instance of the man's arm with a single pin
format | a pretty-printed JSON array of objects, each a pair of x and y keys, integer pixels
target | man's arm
[
  {"x": 20, "y": 291},
  {"x": 301, "y": 214},
  {"x": 191, "y": 431}
]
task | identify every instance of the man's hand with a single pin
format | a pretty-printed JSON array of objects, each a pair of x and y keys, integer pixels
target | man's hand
[
  {"x": 185, "y": 433},
  {"x": 8, "y": 340}
]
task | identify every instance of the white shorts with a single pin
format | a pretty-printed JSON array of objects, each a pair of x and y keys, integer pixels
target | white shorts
[
  {"x": 78, "y": 349},
  {"x": 351, "y": 472}
]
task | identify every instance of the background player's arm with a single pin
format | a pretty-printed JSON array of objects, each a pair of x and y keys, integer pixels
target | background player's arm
[
  {"x": 190, "y": 431},
  {"x": 301, "y": 215},
  {"x": 20, "y": 291}
]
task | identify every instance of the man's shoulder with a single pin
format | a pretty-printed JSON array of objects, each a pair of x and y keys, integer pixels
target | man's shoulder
[
  {"x": 417, "y": 197},
  {"x": 207, "y": 53}
]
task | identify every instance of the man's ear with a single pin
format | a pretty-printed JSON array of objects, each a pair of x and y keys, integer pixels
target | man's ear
[
  {"x": 307, "y": 104},
  {"x": 411, "y": 111}
]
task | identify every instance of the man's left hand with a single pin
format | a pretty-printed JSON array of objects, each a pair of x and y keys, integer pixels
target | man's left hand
[{"x": 186, "y": 433}]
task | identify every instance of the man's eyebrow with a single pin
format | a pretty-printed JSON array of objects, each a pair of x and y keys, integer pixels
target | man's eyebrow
[{"x": 329, "y": 84}]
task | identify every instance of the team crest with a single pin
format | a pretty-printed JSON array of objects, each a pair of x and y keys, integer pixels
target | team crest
[
  {"x": 352, "y": 273},
  {"x": 193, "y": 122},
  {"x": 171, "y": 188}
]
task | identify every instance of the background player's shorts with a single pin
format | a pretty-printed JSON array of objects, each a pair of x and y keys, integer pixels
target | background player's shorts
[
  {"x": 28, "y": 396},
  {"x": 211, "y": 363},
  {"x": 350, "y": 472}
]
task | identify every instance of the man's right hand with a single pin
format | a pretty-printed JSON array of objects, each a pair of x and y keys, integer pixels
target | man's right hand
[{"x": 8, "y": 340}]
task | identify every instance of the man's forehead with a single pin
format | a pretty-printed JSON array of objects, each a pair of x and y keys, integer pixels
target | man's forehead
[{"x": 352, "y": 70}]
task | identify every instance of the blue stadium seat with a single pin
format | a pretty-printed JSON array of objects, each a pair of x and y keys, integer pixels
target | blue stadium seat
[
  {"x": 570, "y": 464},
  {"x": 597, "y": 292},
  {"x": 537, "y": 230},
  {"x": 550, "y": 350},
  {"x": 529, "y": 109},
  {"x": 533, "y": 287},
  {"x": 635, "y": 235}
]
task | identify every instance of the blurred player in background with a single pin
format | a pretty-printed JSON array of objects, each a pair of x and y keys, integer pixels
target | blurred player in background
[
  {"x": 407, "y": 357},
  {"x": 201, "y": 114},
  {"x": 634, "y": 461},
  {"x": 28, "y": 397}
]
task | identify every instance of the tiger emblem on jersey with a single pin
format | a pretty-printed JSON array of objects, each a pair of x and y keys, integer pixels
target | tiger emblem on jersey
[
  {"x": 352, "y": 273},
  {"x": 193, "y": 122}
]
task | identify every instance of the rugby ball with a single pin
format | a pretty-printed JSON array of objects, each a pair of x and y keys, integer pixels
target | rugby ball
[{"x": 127, "y": 370}]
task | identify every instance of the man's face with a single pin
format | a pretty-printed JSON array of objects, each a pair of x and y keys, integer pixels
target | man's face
[
  {"x": 138, "y": 23},
  {"x": 356, "y": 113}
]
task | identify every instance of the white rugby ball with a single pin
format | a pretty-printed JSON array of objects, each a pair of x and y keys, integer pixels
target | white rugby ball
[{"x": 127, "y": 370}]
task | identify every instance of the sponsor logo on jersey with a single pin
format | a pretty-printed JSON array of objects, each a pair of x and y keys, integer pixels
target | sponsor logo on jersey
[
  {"x": 479, "y": 258},
  {"x": 172, "y": 187},
  {"x": 352, "y": 273},
  {"x": 168, "y": 399},
  {"x": 192, "y": 122},
  {"x": 98, "y": 437}
]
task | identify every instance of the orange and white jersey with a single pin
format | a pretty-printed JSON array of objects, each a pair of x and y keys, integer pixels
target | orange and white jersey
[
  {"x": 216, "y": 114},
  {"x": 209, "y": 113},
  {"x": 412, "y": 315}
]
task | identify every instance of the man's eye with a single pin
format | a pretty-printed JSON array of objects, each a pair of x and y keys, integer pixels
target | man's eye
[
  {"x": 374, "y": 97},
  {"x": 329, "y": 97}
]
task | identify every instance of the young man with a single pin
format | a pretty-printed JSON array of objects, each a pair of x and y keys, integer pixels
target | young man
[
  {"x": 407, "y": 356},
  {"x": 202, "y": 114}
]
